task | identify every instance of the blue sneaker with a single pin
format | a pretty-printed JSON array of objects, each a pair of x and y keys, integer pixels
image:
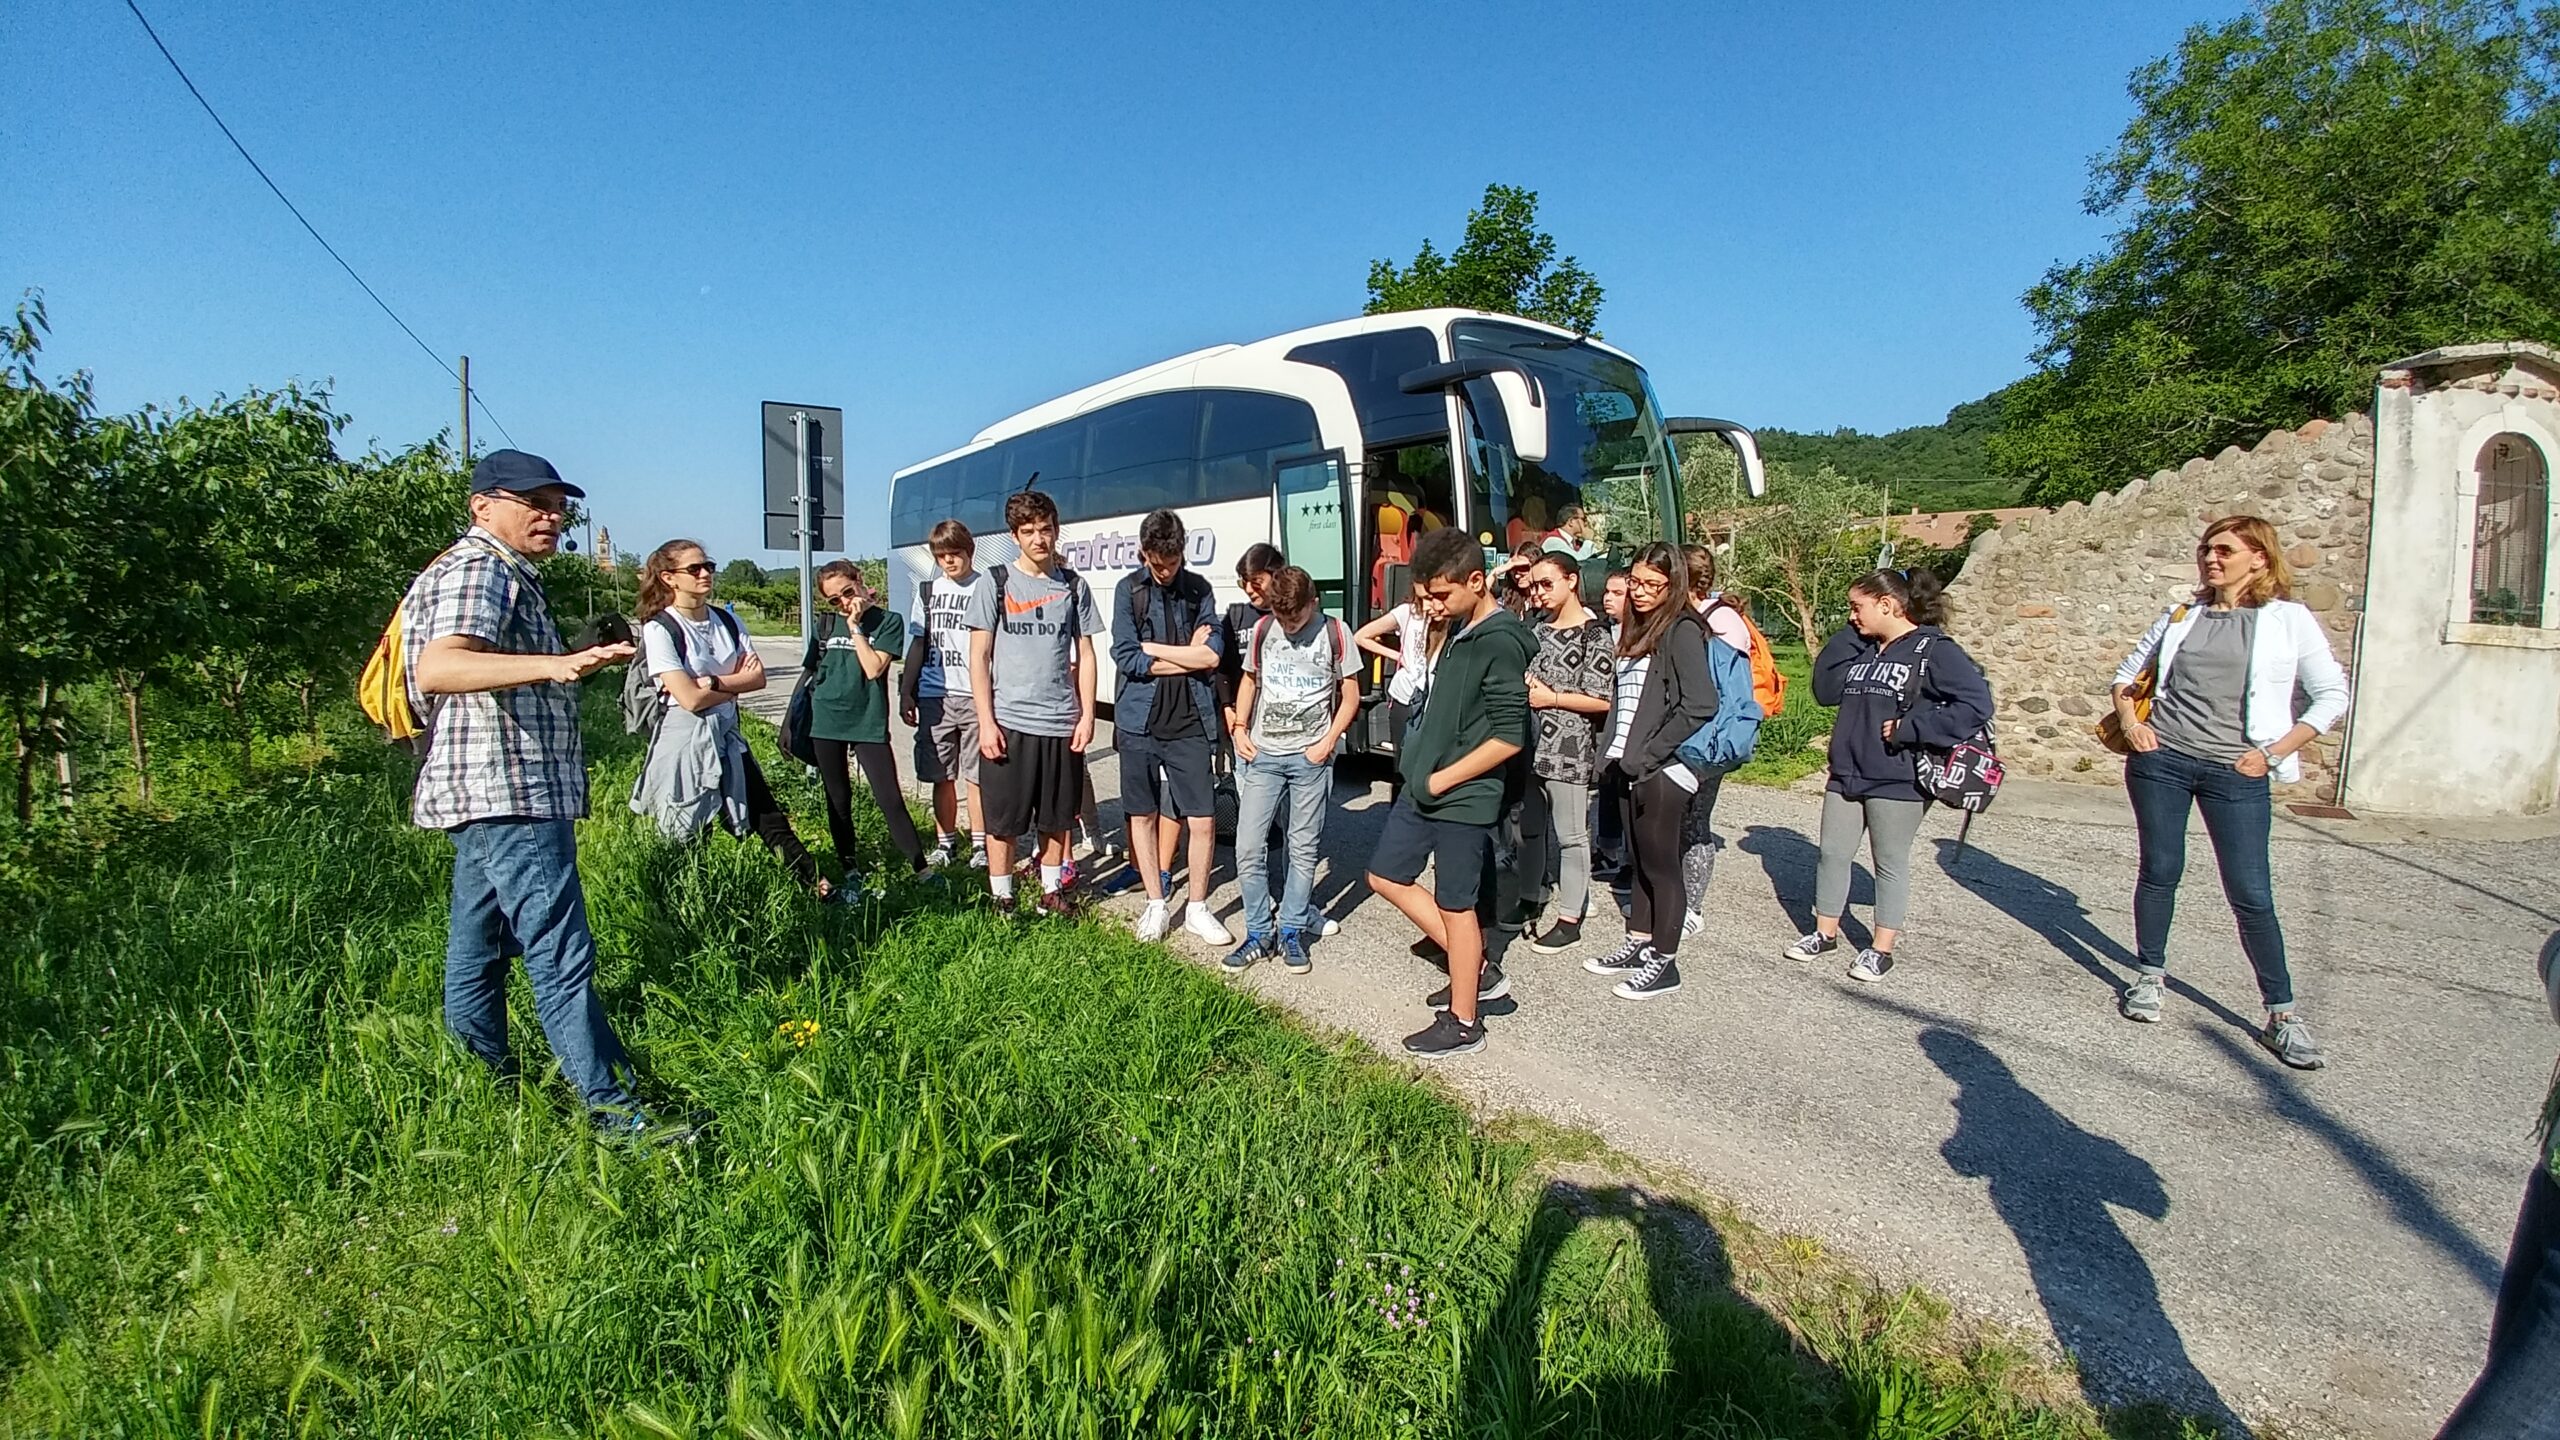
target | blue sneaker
[
  {"x": 1255, "y": 947},
  {"x": 1293, "y": 953},
  {"x": 1122, "y": 881}
]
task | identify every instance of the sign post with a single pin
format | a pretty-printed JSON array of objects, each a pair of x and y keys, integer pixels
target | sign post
[{"x": 804, "y": 490}]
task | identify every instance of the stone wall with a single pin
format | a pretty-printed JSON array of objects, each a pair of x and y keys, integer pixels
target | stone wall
[{"x": 2052, "y": 604}]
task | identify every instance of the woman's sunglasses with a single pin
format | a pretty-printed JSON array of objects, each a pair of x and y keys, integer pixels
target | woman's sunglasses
[{"x": 700, "y": 569}]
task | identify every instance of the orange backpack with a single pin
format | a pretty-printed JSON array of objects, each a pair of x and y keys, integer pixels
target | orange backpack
[{"x": 1768, "y": 683}]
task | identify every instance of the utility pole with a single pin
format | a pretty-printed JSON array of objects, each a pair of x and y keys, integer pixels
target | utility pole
[
  {"x": 466, "y": 412},
  {"x": 808, "y": 541}
]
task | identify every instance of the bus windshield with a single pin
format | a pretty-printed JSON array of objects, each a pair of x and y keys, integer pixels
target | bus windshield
[{"x": 1606, "y": 452}]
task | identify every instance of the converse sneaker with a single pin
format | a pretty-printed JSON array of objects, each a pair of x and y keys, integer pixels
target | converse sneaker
[
  {"x": 1201, "y": 921},
  {"x": 1242, "y": 957},
  {"x": 2142, "y": 1002},
  {"x": 1557, "y": 938},
  {"x": 1293, "y": 953},
  {"x": 1491, "y": 985},
  {"x": 2290, "y": 1041},
  {"x": 1871, "y": 964},
  {"x": 1154, "y": 921},
  {"x": 1660, "y": 976},
  {"x": 1810, "y": 947},
  {"x": 1626, "y": 959},
  {"x": 1446, "y": 1035}
]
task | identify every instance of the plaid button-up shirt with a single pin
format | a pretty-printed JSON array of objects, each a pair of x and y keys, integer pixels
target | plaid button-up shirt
[{"x": 499, "y": 752}]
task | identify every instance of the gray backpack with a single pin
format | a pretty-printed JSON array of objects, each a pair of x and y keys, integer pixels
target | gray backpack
[{"x": 643, "y": 698}]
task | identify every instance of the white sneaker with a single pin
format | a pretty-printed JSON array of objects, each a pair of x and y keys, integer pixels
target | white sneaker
[
  {"x": 1695, "y": 924},
  {"x": 1155, "y": 920},
  {"x": 1200, "y": 921},
  {"x": 1328, "y": 926}
]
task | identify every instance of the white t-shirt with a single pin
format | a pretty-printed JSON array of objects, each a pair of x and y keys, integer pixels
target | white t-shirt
[
  {"x": 941, "y": 619},
  {"x": 1297, "y": 686},
  {"x": 708, "y": 648},
  {"x": 1413, "y": 631}
]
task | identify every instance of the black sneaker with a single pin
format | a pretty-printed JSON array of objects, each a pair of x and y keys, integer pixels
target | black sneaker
[
  {"x": 1625, "y": 960},
  {"x": 1446, "y": 1035},
  {"x": 1557, "y": 938},
  {"x": 1810, "y": 947},
  {"x": 1491, "y": 985},
  {"x": 1660, "y": 976}
]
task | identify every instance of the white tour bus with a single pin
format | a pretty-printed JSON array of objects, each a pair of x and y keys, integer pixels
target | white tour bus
[{"x": 1339, "y": 444}]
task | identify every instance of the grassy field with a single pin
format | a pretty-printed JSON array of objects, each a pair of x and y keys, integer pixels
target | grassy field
[
  {"x": 1790, "y": 746},
  {"x": 968, "y": 1177}
]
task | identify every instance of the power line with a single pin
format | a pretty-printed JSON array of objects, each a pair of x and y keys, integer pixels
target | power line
[{"x": 306, "y": 223}]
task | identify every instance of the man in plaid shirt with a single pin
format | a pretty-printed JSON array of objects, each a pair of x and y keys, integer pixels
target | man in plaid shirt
[{"x": 505, "y": 776}]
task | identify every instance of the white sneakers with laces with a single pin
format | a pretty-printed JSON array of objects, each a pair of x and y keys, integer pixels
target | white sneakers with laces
[
  {"x": 1200, "y": 920},
  {"x": 1155, "y": 920}
]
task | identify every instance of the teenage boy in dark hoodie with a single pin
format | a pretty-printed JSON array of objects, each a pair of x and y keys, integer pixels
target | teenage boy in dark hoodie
[{"x": 1475, "y": 717}]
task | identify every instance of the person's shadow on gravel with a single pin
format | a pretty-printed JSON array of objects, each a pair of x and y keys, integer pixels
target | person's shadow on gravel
[
  {"x": 1535, "y": 1365},
  {"x": 1789, "y": 860},
  {"x": 2056, "y": 914},
  {"x": 2052, "y": 1183}
]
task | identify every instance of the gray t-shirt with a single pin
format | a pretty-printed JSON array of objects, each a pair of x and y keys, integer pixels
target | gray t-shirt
[
  {"x": 1036, "y": 621},
  {"x": 1298, "y": 680},
  {"x": 2197, "y": 711}
]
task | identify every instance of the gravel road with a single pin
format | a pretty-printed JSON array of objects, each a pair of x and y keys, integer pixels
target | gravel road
[{"x": 2190, "y": 1219}]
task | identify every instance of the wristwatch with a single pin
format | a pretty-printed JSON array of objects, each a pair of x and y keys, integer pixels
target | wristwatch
[{"x": 714, "y": 682}]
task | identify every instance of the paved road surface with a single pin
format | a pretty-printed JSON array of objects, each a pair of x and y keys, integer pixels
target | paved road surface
[{"x": 2191, "y": 1219}]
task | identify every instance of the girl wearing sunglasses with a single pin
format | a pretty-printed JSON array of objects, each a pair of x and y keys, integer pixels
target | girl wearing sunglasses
[{"x": 699, "y": 768}]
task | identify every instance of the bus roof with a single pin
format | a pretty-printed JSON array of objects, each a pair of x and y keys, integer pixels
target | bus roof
[{"x": 1257, "y": 365}]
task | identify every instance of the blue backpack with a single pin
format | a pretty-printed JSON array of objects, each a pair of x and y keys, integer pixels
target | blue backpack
[{"x": 1727, "y": 740}]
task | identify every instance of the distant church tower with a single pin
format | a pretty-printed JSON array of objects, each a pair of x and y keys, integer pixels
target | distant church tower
[{"x": 604, "y": 549}]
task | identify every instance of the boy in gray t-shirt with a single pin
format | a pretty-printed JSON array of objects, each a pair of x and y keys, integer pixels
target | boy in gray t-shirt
[{"x": 1031, "y": 669}]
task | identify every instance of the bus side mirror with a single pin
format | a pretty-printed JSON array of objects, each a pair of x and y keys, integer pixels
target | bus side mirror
[
  {"x": 1746, "y": 447},
  {"x": 1524, "y": 400},
  {"x": 1523, "y": 408}
]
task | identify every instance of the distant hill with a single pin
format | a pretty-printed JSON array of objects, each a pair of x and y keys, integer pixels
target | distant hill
[{"x": 1935, "y": 467}]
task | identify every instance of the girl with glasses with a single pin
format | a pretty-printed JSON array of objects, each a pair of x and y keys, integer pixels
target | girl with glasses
[
  {"x": 699, "y": 769},
  {"x": 848, "y": 669}
]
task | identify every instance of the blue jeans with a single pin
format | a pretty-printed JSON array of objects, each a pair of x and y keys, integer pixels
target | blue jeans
[
  {"x": 2514, "y": 1398},
  {"x": 2238, "y": 815},
  {"x": 1276, "y": 783},
  {"x": 516, "y": 892}
]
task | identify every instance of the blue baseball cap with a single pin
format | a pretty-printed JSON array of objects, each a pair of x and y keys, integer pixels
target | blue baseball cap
[{"x": 517, "y": 471}]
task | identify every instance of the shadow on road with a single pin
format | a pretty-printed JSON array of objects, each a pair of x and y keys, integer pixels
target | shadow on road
[
  {"x": 2408, "y": 1197},
  {"x": 2056, "y": 915},
  {"x": 1540, "y": 1364},
  {"x": 2052, "y": 1183},
  {"x": 1789, "y": 859}
]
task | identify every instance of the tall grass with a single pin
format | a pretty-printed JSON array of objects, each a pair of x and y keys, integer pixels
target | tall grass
[{"x": 968, "y": 1177}]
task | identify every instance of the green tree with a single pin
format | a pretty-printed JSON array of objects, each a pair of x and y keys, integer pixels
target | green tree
[
  {"x": 741, "y": 574},
  {"x": 1796, "y": 551},
  {"x": 2308, "y": 192},
  {"x": 46, "y": 512},
  {"x": 1505, "y": 264}
]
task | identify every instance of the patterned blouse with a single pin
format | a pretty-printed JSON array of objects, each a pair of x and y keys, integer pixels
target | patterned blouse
[{"x": 1574, "y": 660}]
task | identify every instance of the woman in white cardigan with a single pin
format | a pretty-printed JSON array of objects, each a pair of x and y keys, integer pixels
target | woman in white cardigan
[{"x": 2221, "y": 723}]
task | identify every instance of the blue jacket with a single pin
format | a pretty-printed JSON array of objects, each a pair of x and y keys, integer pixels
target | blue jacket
[
  {"x": 1143, "y": 611},
  {"x": 1937, "y": 705}
]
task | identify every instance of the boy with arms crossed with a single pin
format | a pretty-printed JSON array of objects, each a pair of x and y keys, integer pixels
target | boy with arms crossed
[
  {"x": 1474, "y": 719},
  {"x": 1298, "y": 695},
  {"x": 1167, "y": 718},
  {"x": 1031, "y": 669},
  {"x": 936, "y": 692}
]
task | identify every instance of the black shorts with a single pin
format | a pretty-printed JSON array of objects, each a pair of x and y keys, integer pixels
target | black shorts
[
  {"x": 1038, "y": 785},
  {"x": 1164, "y": 777},
  {"x": 1458, "y": 854}
]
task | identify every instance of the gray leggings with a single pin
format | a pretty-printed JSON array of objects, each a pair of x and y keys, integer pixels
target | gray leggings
[{"x": 1889, "y": 827}]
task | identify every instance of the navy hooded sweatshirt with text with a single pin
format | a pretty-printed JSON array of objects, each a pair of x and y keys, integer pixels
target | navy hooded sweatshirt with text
[{"x": 1939, "y": 704}]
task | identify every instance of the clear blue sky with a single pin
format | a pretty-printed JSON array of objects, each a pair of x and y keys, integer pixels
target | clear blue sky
[{"x": 640, "y": 220}]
